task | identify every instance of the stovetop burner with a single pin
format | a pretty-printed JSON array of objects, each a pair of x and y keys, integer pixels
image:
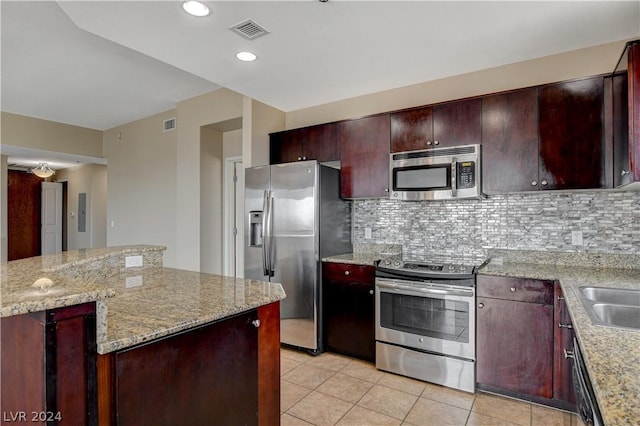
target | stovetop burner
[{"x": 427, "y": 270}]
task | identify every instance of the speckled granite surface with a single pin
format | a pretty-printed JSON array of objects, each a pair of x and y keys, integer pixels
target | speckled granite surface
[
  {"x": 156, "y": 302},
  {"x": 367, "y": 254},
  {"x": 612, "y": 355},
  {"x": 134, "y": 304}
]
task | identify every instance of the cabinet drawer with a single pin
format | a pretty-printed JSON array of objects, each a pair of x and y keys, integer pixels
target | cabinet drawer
[
  {"x": 349, "y": 272},
  {"x": 518, "y": 289}
]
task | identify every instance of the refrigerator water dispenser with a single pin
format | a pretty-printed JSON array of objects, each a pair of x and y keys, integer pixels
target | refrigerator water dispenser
[{"x": 255, "y": 230}]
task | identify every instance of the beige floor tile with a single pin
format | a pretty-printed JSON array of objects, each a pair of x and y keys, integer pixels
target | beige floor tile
[
  {"x": 289, "y": 420},
  {"x": 347, "y": 388},
  {"x": 295, "y": 355},
  {"x": 290, "y": 394},
  {"x": 503, "y": 408},
  {"x": 426, "y": 412},
  {"x": 308, "y": 376},
  {"x": 363, "y": 370},
  {"x": 359, "y": 416},
  {"x": 287, "y": 364},
  {"x": 449, "y": 396},
  {"x": 543, "y": 416},
  {"x": 329, "y": 361},
  {"x": 476, "y": 419},
  {"x": 401, "y": 383},
  {"x": 390, "y": 402},
  {"x": 320, "y": 409}
]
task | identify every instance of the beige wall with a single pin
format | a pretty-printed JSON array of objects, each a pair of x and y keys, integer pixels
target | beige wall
[
  {"x": 258, "y": 120},
  {"x": 142, "y": 191},
  {"x": 211, "y": 161},
  {"x": 232, "y": 143},
  {"x": 92, "y": 180},
  {"x": 584, "y": 62},
  {"x": 46, "y": 135},
  {"x": 218, "y": 106}
]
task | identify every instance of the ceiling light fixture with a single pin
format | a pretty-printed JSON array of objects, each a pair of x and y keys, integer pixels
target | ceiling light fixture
[
  {"x": 43, "y": 170},
  {"x": 195, "y": 8},
  {"x": 246, "y": 56}
]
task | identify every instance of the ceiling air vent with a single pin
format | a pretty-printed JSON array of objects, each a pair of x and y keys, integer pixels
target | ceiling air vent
[
  {"x": 169, "y": 124},
  {"x": 249, "y": 29}
]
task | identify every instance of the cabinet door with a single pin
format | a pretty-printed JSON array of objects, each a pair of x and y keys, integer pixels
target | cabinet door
[
  {"x": 634, "y": 107},
  {"x": 510, "y": 141},
  {"x": 364, "y": 157},
  {"x": 620, "y": 122},
  {"x": 563, "y": 343},
  {"x": 571, "y": 135},
  {"x": 349, "y": 310},
  {"x": 412, "y": 129},
  {"x": 457, "y": 123},
  {"x": 199, "y": 377},
  {"x": 285, "y": 147},
  {"x": 321, "y": 143},
  {"x": 515, "y": 346}
]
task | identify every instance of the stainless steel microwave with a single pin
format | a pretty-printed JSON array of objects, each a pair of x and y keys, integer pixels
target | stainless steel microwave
[{"x": 436, "y": 174}]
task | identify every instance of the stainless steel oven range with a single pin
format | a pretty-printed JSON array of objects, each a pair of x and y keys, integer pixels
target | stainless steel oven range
[{"x": 425, "y": 322}]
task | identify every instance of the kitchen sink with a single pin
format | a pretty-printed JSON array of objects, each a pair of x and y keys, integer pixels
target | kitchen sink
[
  {"x": 616, "y": 296},
  {"x": 613, "y": 307},
  {"x": 618, "y": 315}
]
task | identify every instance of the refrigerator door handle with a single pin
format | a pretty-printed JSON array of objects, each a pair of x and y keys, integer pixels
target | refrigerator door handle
[
  {"x": 270, "y": 234},
  {"x": 265, "y": 207}
]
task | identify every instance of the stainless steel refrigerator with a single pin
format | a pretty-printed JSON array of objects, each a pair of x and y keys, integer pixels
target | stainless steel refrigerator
[{"x": 294, "y": 217}]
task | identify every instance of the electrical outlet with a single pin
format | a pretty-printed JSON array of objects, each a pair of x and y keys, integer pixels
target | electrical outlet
[
  {"x": 576, "y": 238},
  {"x": 367, "y": 233},
  {"x": 132, "y": 261}
]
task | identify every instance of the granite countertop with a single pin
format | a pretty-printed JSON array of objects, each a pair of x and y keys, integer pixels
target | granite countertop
[
  {"x": 611, "y": 354},
  {"x": 133, "y": 304},
  {"x": 157, "y": 302}
]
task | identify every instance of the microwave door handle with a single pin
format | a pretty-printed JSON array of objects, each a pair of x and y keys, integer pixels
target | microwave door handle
[{"x": 454, "y": 184}]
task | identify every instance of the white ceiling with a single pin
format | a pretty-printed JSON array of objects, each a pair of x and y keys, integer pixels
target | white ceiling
[{"x": 99, "y": 64}]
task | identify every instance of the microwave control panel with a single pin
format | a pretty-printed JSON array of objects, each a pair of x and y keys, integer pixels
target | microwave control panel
[{"x": 466, "y": 174}]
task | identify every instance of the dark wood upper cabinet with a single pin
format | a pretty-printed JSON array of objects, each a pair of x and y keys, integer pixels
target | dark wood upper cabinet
[
  {"x": 364, "y": 157},
  {"x": 571, "y": 134},
  {"x": 308, "y": 143},
  {"x": 457, "y": 123},
  {"x": 448, "y": 124},
  {"x": 510, "y": 141},
  {"x": 411, "y": 129}
]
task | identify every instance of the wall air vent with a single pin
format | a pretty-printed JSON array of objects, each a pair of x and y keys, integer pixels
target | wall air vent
[
  {"x": 249, "y": 29},
  {"x": 169, "y": 124}
]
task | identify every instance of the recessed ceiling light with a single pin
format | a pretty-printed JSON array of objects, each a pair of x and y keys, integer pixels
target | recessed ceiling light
[
  {"x": 246, "y": 56},
  {"x": 195, "y": 8}
]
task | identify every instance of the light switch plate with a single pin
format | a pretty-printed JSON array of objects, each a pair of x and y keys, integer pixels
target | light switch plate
[{"x": 132, "y": 261}]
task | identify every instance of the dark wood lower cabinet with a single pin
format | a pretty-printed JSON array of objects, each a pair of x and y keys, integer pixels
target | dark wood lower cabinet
[
  {"x": 515, "y": 346},
  {"x": 348, "y": 300},
  {"x": 49, "y": 367},
  {"x": 524, "y": 339},
  {"x": 227, "y": 372}
]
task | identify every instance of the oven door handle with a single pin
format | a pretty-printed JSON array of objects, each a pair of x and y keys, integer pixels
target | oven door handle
[{"x": 425, "y": 290}]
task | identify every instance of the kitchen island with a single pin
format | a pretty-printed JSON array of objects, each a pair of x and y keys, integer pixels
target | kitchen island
[
  {"x": 611, "y": 354},
  {"x": 155, "y": 345}
]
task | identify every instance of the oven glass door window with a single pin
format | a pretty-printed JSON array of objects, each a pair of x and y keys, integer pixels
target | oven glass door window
[
  {"x": 422, "y": 178},
  {"x": 443, "y": 319}
]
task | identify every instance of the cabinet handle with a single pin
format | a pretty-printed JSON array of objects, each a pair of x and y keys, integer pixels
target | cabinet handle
[
  {"x": 625, "y": 172},
  {"x": 256, "y": 323},
  {"x": 480, "y": 305},
  {"x": 436, "y": 142},
  {"x": 429, "y": 143},
  {"x": 387, "y": 190},
  {"x": 513, "y": 289},
  {"x": 560, "y": 298},
  {"x": 534, "y": 183},
  {"x": 567, "y": 354},
  {"x": 347, "y": 272},
  {"x": 370, "y": 291},
  {"x": 304, "y": 158},
  {"x": 564, "y": 325},
  {"x": 299, "y": 158},
  {"x": 544, "y": 183}
]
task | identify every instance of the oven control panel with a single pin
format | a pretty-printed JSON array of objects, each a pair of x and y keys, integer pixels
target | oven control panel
[{"x": 428, "y": 269}]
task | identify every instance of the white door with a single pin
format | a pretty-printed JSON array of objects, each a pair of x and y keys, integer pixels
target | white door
[
  {"x": 51, "y": 225},
  {"x": 233, "y": 252}
]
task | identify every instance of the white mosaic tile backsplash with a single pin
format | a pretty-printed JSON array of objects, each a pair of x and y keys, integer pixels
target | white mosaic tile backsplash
[{"x": 466, "y": 229}]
